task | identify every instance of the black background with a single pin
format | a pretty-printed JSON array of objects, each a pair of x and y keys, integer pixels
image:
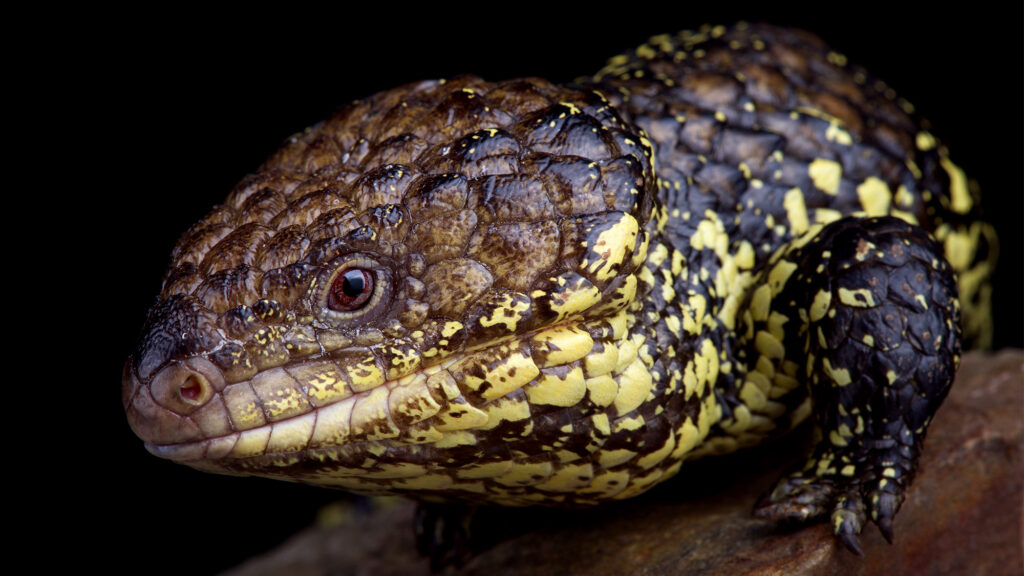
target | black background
[{"x": 179, "y": 107}]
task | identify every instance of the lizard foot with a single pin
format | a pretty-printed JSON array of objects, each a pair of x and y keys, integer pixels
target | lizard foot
[{"x": 850, "y": 489}]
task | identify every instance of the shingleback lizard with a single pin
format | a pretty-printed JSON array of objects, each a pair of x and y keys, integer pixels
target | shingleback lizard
[{"x": 521, "y": 293}]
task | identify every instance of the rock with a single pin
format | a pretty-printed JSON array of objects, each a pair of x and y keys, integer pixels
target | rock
[{"x": 963, "y": 514}]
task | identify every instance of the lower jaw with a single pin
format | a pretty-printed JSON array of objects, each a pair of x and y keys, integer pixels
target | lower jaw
[{"x": 500, "y": 474}]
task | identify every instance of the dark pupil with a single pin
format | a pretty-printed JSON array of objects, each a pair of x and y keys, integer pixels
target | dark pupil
[
  {"x": 354, "y": 283},
  {"x": 350, "y": 290}
]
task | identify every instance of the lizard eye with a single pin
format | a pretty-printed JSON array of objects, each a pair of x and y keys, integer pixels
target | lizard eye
[{"x": 351, "y": 289}]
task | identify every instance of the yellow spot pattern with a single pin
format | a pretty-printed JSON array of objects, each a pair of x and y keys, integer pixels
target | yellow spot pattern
[
  {"x": 874, "y": 196},
  {"x": 826, "y": 175}
]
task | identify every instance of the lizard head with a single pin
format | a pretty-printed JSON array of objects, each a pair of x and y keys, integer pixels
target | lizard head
[{"x": 397, "y": 283}]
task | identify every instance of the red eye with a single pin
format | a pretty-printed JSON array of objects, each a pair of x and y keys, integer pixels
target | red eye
[{"x": 350, "y": 290}]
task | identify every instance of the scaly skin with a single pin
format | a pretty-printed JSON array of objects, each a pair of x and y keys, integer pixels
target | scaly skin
[{"x": 575, "y": 289}]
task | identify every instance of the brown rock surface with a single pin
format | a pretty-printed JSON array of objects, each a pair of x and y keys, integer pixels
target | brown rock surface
[{"x": 963, "y": 514}]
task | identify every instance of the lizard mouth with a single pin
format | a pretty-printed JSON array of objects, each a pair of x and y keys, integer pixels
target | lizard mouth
[
  {"x": 340, "y": 407},
  {"x": 208, "y": 449},
  {"x": 186, "y": 413},
  {"x": 476, "y": 414},
  {"x": 307, "y": 412}
]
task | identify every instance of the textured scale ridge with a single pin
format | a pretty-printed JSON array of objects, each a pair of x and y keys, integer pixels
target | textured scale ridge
[{"x": 561, "y": 293}]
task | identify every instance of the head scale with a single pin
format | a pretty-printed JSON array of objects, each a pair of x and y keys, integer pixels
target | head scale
[{"x": 391, "y": 270}]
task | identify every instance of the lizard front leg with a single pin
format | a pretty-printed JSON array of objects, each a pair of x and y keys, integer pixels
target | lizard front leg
[{"x": 870, "y": 312}]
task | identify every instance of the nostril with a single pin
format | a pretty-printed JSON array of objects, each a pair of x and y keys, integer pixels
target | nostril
[
  {"x": 184, "y": 386},
  {"x": 194, "y": 390}
]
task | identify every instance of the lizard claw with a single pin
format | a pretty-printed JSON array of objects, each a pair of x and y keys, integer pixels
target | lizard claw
[
  {"x": 848, "y": 521},
  {"x": 870, "y": 491}
]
